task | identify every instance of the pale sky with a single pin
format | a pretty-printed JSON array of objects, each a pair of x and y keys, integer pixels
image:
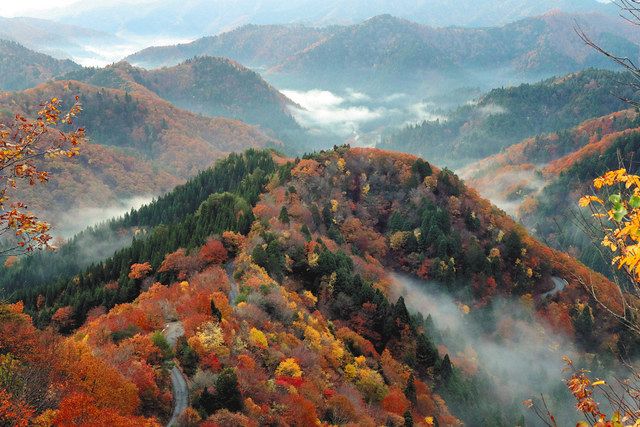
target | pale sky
[
  {"x": 42, "y": 8},
  {"x": 11, "y": 8}
]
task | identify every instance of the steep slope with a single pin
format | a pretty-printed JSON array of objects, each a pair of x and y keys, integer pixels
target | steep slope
[
  {"x": 573, "y": 176},
  {"x": 203, "y": 85},
  {"x": 21, "y": 68},
  {"x": 140, "y": 145},
  {"x": 309, "y": 307},
  {"x": 385, "y": 51},
  {"x": 256, "y": 46},
  {"x": 504, "y": 117},
  {"x": 533, "y": 179},
  {"x": 146, "y": 126},
  {"x": 522, "y": 169}
]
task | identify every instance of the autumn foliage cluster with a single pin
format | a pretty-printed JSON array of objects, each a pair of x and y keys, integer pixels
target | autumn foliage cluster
[
  {"x": 23, "y": 144},
  {"x": 292, "y": 320}
]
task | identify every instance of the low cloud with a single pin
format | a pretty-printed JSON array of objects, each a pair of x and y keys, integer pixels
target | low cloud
[
  {"x": 327, "y": 112},
  {"x": 74, "y": 221},
  {"x": 104, "y": 53},
  {"x": 492, "y": 110},
  {"x": 352, "y": 114},
  {"x": 518, "y": 354},
  {"x": 506, "y": 188}
]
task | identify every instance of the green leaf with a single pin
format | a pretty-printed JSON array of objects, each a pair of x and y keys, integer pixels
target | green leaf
[
  {"x": 634, "y": 202},
  {"x": 615, "y": 198},
  {"x": 619, "y": 214}
]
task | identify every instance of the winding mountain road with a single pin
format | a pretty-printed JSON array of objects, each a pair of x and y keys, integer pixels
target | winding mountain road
[
  {"x": 234, "y": 291},
  {"x": 172, "y": 332}
]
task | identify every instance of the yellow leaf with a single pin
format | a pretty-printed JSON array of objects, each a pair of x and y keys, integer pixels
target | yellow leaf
[{"x": 587, "y": 200}]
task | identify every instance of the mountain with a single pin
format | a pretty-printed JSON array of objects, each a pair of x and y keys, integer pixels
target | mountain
[
  {"x": 21, "y": 68},
  {"x": 203, "y": 85},
  {"x": 139, "y": 145},
  {"x": 60, "y": 39},
  {"x": 505, "y": 116},
  {"x": 389, "y": 53},
  {"x": 533, "y": 179},
  {"x": 522, "y": 169},
  {"x": 308, "y": 308},
  {"x": 256, "y": 46},
  {"x": 198, "y": 17},
  {"x": 145, "y": 125},
  {"x": 574, "y": 175}
]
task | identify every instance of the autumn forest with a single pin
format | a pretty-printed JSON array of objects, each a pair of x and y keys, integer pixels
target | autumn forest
[{"x": 339, "y": 213}]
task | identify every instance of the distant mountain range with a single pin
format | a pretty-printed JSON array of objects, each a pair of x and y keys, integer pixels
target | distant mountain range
[
  {"x": 210, "y": 17},
  {"x": 60, "y": 39},
  {"x": 256, "y": 46},
  {"x": 387, "y": 53}
]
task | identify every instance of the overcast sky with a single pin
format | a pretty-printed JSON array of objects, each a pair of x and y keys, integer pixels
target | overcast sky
[
  {"x": 10, "y": 8},
  {"x": 47, "y": 8}
]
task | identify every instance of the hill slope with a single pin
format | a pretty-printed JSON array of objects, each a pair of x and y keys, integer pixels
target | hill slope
[
  {"x": 533, "y": 179},
  {"x": 388, "y": 51},
  {"x": 256, "y": 46},
  {"x": 203, "y": 85},
  {"x": 21, "y": 68},
  {"x": 504, "y": 117},
  {"x": 140, "y": 145},
  {"x": 313, "y": 243},
  {"x": 571, "y": 176}
]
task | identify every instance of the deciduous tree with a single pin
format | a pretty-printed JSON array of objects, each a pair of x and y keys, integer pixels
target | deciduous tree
[{"x": 24, "y": 144}]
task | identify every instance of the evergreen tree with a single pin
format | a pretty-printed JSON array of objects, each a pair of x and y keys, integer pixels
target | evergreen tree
[
  {"x": 305, "y": 230},
  {"x": 446, "y": 369},
  {"x": 284, "y": 215},
  {"x": 400, "y": 311},
  {"x": 187, "y": 357},
  {"x": 422, "y": 169},
  {"x": 408, "y": 418},
  {"x": 215, "y": 311},
  {"x": 512, "y": 246},
  {"x": 410, "y": 389},
  {"x": 227, "y": 393},
  {"x": 206, "y": 403},
  {"x": 426, "y": 352}
]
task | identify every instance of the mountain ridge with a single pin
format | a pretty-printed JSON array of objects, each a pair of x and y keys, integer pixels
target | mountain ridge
[
  {"x": 210, "y": 86},
  {"x": 21, "y": 68}
]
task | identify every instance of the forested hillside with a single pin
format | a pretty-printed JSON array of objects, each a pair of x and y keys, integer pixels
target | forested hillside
[
  {"x": 533, "y": 179},
  {"x": 256, "y": 46},
  {"x": 544, "y": 211},
  {"x": 21, "y": 68},
  {"x": 386, "y": 53},
  {"x": 205, "y": 85},
  {"x": 306, "y": 313},
  {"x": 506, "y": 116},
  {"x": 139, "y": 145}
]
